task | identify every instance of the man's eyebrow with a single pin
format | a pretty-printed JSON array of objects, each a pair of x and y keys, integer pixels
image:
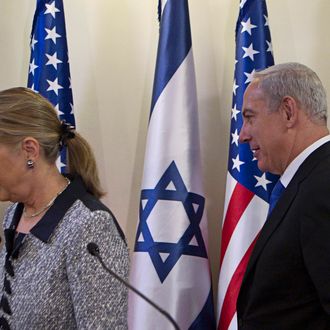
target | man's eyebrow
[{"x": 247, "y": 111}]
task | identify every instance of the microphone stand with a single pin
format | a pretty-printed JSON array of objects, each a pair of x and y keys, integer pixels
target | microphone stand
[{"x": 96, "y": 253}]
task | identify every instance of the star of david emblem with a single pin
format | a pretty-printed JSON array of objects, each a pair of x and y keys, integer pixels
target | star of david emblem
[{"x": 171, "y": 189}]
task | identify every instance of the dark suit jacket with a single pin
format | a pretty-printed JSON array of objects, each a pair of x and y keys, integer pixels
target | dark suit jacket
[{"x": 287, "y": 281}]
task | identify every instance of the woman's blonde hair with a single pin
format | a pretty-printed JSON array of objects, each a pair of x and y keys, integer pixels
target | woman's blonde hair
[{"x": 25, "y": 113}]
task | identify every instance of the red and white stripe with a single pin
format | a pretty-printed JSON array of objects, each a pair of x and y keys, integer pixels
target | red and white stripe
[{"x": 244, "y": 216}]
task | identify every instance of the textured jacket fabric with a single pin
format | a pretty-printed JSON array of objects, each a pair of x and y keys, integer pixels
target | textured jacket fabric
[
  {"x": 50, "y": 281},
  {"x": 287, "y": 282}
]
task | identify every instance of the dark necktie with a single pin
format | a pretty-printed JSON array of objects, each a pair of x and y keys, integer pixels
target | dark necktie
[{"x": 275, "y": 195}]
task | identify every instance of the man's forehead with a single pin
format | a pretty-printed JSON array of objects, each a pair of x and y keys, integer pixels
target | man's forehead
[
  {"x": 254, "y": 98},
  {"x": 254, "y": 93},
  {"x": 254, "y": 88}
]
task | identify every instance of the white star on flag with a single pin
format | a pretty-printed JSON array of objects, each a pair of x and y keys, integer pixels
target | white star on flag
[
  {"x": 237, "y": 163},
  {"x": 51, "y": 34},
  {"x": 235, "y": 87},
  {"x": 266, "y": 20},
  {"x": 59, "y": 164},
  {"x": 33, "y": 42},
  {"x": 57, "y": 108},
  {"x": 249, "y": 76},
  {"x": 242, "y": 3},
  {"x": 33, "y": 66},
  {"x": 51, "y": 9},
  {"x": 235, "y": 137},
  {"x": 32, "y": 89},
  {"x": 234, "y": 112},
  {"x": 247, "y": 26},
  {"x": 54, "y": 86},
  {"x": 270, "y": 47},
  {"x": 53, "y": 60},
  {"x": 262, "y": 181},
  {"x": 250, "y": 52}
]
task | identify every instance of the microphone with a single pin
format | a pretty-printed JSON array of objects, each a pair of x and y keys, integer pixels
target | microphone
[{"x": 94, "y": 250}]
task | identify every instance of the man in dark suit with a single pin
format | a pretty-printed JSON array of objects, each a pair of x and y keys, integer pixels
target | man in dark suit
[{"x": 287, "y": 281}]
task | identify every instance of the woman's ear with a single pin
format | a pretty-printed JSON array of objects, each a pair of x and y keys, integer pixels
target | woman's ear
[{"x": 31, "y": 148}]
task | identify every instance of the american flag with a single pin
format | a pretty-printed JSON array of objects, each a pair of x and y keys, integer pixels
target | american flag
[
  {"x": 247, "y": 188},
  {"x": 49, "y": 71},
  {"x": 170, "y": 260}
]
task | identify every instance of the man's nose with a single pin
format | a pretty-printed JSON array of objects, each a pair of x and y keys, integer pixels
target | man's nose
[{"x": 243, "y": 135}]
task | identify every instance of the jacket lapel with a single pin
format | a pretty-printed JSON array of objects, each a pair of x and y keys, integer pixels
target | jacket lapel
[
  {"x": 281, "y": 208},
  {"x": 272, "y": 223}
]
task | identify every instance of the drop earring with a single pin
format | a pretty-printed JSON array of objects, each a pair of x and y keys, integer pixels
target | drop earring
[{"x": 30, "y": 163}]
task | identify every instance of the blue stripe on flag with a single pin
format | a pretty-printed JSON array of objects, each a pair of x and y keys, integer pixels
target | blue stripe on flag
[
  {"x": 174, "y": 45},
  {"x": 205, "y": 319}
]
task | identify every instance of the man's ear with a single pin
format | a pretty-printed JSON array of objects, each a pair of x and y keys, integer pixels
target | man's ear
[
  {"x": 31, "y": 148},
  {"x": 289, "y": 110}
]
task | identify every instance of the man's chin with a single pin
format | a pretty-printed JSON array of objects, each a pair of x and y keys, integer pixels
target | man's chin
[{"x": 263, "y": 167}]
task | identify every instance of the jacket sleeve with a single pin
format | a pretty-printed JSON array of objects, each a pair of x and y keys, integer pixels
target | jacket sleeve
[
  {"x": 99, "y": 300},
  {"x": 315, "y": 237}
]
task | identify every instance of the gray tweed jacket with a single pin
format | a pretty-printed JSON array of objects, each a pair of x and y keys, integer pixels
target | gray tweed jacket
[{"x": 50, "y": 281}]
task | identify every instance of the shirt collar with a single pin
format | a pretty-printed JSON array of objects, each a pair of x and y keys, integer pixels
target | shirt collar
[
  {"x": 295, "y": 164},
  {"x": 47, "y": 224}
]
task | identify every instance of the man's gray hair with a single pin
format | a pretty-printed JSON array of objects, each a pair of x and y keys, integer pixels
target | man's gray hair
[{"x": 298, "y": 81}]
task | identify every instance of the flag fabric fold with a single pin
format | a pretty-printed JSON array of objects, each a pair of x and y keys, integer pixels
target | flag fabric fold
[
  {"x": 247, "y": 188},
  {"x": 170, "y": 259},
  {"x": 49, "y": 70}
]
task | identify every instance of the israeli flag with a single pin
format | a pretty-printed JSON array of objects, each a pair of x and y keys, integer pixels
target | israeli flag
[{"x": 170, "y": 259}]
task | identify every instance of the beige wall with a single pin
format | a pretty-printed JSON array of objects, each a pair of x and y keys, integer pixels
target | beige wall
[{"x": 112, "y": 49}]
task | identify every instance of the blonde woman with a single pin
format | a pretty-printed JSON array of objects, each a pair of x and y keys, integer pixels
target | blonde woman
[{"x": 48, "y": 278}]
